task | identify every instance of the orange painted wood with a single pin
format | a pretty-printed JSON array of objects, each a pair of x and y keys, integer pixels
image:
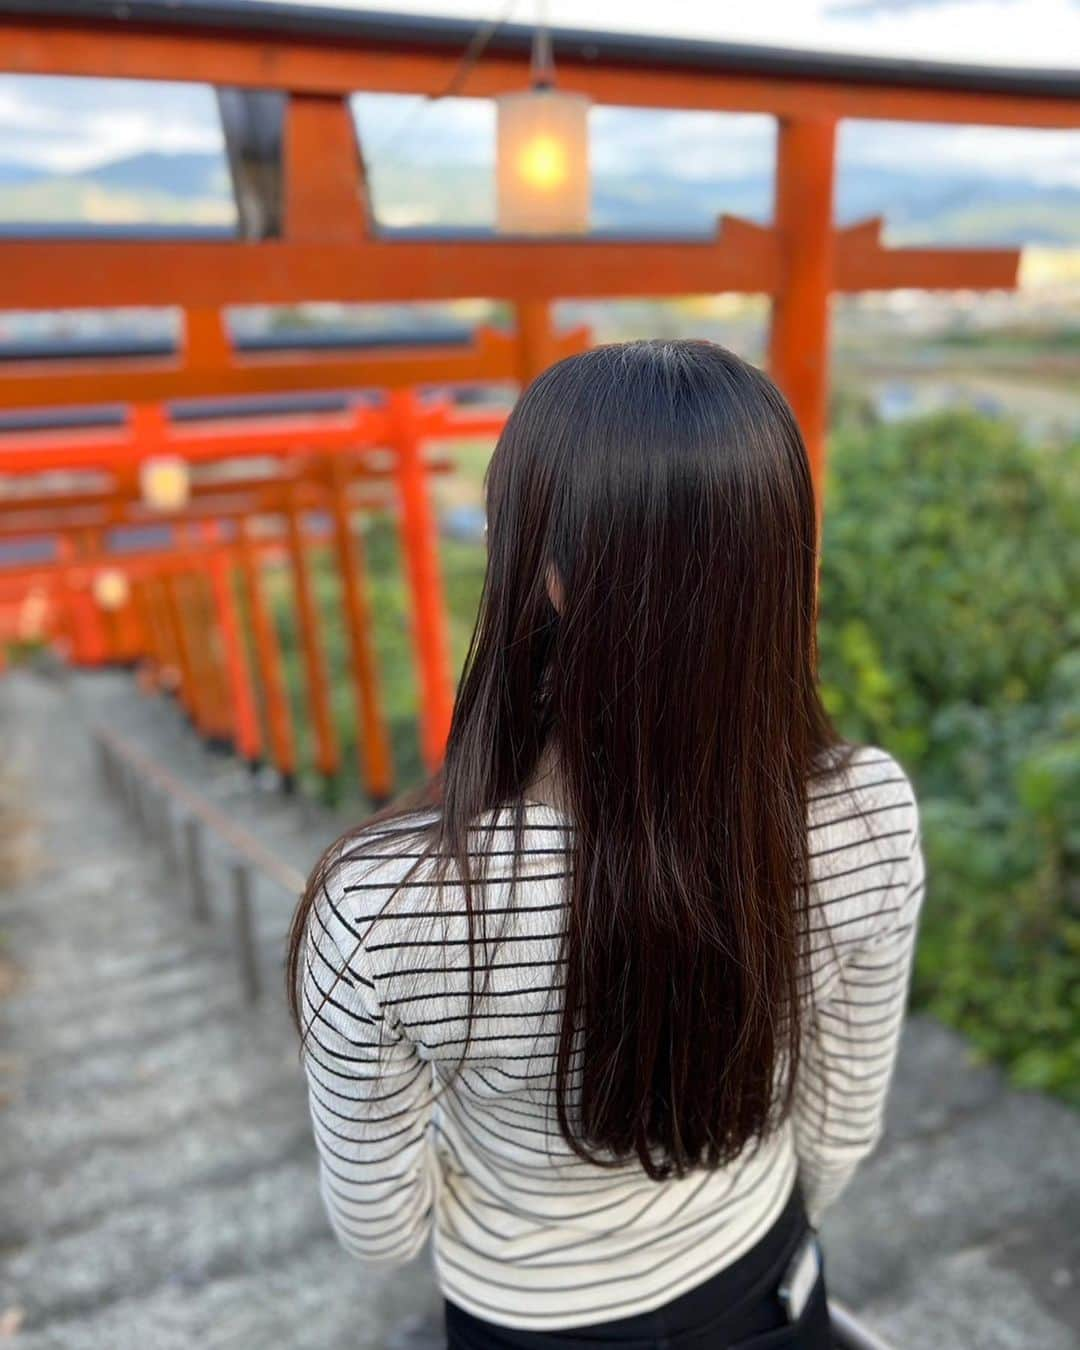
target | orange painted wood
[
  {"x": 26, "y": 516},
  {"x": 420, "y": 545},
  {"x": 149, "y": 434},
  {"x": 327, "y": 751},
  {"x": 192, "y": 696},
  {"x": 244, "y": 719},
  {"x": 862, "y": 263},
  {"x": 490, "y": 357},
  {"x": 70, "y": 274},
  {"x": 205, "y": 348},
  {"x": 372, "y": 738},
  {"x": 203, "y": 658},
  {"x": 210, "y": 656},
  {"x": 129, "y": 635},
  {"x": 536, "y": 340},
  {"x": 137, "y": 562},
  {"x": 799, "y": 330},
  {"x": 119, "y": 450},
  {"x": 155, "y": 646},
  {"x": 165, "y": 667},
  {"x": 324, "y": 195},
  {"x": 147, "y": 652},
  {"x": 279, "y": 727},
  {"x": 93, "y": 640},
  {"x": 298, "y": 62},
  {"x": 60, "y": 274},
  {"x": 48, "y": 523}
]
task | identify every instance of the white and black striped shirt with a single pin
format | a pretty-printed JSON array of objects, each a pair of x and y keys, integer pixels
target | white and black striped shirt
[{"x": 525, "y": 1233}]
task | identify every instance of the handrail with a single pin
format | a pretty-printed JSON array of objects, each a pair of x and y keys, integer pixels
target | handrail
[
  {"x": 851, "y": 1334},
  {"x": 251, "y": 849}
]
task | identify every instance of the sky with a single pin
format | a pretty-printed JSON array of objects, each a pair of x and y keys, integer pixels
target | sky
[{"x": 66, "y": 125}]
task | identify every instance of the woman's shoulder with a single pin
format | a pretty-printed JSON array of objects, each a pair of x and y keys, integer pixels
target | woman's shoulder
[
  {"x": 864, "y": 844},
  {"x": 402, "y": 865},
  {"x": 852, "y": 782}
]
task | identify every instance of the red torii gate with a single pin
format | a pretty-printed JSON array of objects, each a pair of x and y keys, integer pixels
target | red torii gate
[
  {"x": 322, "y": 455},
  {"x": 329, "y": 248},
  {"x": 327, "y": 245}
]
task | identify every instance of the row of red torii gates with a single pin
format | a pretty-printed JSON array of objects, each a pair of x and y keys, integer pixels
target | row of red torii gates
[{"x": 294, "y": 478}]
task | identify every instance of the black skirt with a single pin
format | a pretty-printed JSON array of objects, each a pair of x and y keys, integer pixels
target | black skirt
[{"x": 737, "y": 1309}]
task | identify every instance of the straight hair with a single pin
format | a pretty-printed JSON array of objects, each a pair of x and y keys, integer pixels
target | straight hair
[{"x": 647, "y": 625}]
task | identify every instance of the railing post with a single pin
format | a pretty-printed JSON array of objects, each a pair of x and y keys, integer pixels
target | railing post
[
  {"x": 195, "y": 860},
  {"x": 138, "y": 803},
  {"x": 245, "y": 936},
  {"x": 102, "y": 751},
  {"x": 167, "y": 832}
]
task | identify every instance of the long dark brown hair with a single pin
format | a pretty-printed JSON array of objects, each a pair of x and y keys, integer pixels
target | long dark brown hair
[{"x": 647, "y": 624}]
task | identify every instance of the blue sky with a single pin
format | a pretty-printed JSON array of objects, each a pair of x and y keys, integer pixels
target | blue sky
[{"x": 69, "y": 125}]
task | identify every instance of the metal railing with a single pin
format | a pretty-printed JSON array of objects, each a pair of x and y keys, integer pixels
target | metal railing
[
  {"x": 178, "y": 818},
  {"x": 851, "y": 1334}
]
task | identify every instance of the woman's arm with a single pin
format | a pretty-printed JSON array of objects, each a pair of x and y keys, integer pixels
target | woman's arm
[
  {"x": 370, "y": 1095},
  {"x": 850, "y": 1046}
]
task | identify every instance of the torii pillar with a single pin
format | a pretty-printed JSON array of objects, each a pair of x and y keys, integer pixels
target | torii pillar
[
  {"x": 814, "y": 258},
  {"x": 803, "y": 225}
]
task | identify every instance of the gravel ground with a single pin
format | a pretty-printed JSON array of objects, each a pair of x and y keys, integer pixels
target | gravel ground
[{"x": 157, "y": 1178}]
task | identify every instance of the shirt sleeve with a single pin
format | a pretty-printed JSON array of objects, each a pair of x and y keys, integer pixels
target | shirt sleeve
[
  {"x": 850, "y": 1045},
  {"x": 370, "y": 1096}
]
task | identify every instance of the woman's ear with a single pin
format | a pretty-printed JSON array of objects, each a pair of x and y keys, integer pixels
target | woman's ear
[{"x": 555, "y": 588}]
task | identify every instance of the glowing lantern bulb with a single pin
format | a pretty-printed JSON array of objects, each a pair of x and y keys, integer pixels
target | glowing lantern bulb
[
  {"x": 111, "y": 589},
  {"x": 542, "y": 163},
  {"x": 165, "y": 483}
]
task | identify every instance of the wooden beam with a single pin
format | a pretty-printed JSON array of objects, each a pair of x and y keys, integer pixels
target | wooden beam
[
  {"x": 75, "y": 274},
  {"x": 863, "y": 263},
  {"x": 296, "y": 438},
  {"x": 325, "y": 191},
  {"x": 210, "y": 368},
  {"x": 311, "y": 64}
]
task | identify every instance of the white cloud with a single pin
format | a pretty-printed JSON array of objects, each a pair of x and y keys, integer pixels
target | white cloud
[
  {"x": 1047, "y": 158},
  {"x": 71, "y": 124}
]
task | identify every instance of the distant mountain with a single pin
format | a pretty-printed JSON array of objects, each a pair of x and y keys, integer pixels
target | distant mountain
[
  {"x": 190, "y": 174},
  {"x": 919, "y": 204}
]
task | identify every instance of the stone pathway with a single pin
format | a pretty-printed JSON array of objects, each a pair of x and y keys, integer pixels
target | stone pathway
[{"x": 157, "y": 1177}]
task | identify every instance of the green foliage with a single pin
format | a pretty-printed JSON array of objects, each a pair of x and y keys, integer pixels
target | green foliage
[{"x": 950, "y": 633}]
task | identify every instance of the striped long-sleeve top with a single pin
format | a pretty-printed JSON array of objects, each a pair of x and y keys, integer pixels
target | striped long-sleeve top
[{"x": 525, "y": 1233}]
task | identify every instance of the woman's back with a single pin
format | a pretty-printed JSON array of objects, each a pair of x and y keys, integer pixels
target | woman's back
[{"x": 527, "y": 1233}]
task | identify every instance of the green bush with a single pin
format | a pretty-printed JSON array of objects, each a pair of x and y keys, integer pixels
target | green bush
[{"x": 950, "y": 633}]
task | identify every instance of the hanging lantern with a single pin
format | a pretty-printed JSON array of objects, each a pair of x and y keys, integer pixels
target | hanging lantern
[
  {"x": 111, "y": 589},
  {"x": 542, "y": 153},
  {"x": 542, "y": 162},
  {"x": 165, "y": 483}
]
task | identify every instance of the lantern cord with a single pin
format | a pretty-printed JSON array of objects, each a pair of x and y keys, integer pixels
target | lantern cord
[
  {"x": 543, "y": 63},
  {"x": 474, "y": 50}
]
